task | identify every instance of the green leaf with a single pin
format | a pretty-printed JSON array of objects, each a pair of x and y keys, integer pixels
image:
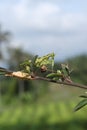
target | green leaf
[
  {"x": 65, "y": 69},
  {"x": 55, "y": 76},
  {"x": 59, "y": 73},
  {"x": 80, "y": 105},
  {"x": 4, "y": 71},
  {"x": 83, "y": 96},
  {"x": 52, "y": 75}
]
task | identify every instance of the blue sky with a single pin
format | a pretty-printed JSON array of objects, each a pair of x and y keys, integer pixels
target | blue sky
[{"x": 44, "y": 26}]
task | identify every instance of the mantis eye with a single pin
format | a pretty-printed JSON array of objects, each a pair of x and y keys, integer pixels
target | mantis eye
[{"x": 43, "y": 68}]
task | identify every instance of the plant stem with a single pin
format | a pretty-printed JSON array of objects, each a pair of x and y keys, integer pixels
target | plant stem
[
  {"x": 22, "y": 75},
  {"x": 60, "y": 82}
]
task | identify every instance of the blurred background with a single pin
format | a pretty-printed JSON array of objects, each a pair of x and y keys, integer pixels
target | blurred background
[{"x": 39, "y": 27}]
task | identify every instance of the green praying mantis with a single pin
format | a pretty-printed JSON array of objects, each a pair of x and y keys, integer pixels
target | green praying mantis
[{"x": 30, "y": 69}]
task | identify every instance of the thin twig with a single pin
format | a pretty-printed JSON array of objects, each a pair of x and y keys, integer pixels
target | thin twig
[
  {"x": 60, "y": 82},
  {"x": 26, "y": 76}
]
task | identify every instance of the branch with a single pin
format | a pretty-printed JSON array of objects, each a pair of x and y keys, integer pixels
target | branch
[
  {"x": 26, "y": 76},
  {"x": 60, "y": 82}
]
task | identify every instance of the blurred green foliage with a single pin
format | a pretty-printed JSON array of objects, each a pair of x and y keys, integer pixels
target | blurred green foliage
[
  {"x": 79, "y": 66},
  {"x": 48, "y": 116}
]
